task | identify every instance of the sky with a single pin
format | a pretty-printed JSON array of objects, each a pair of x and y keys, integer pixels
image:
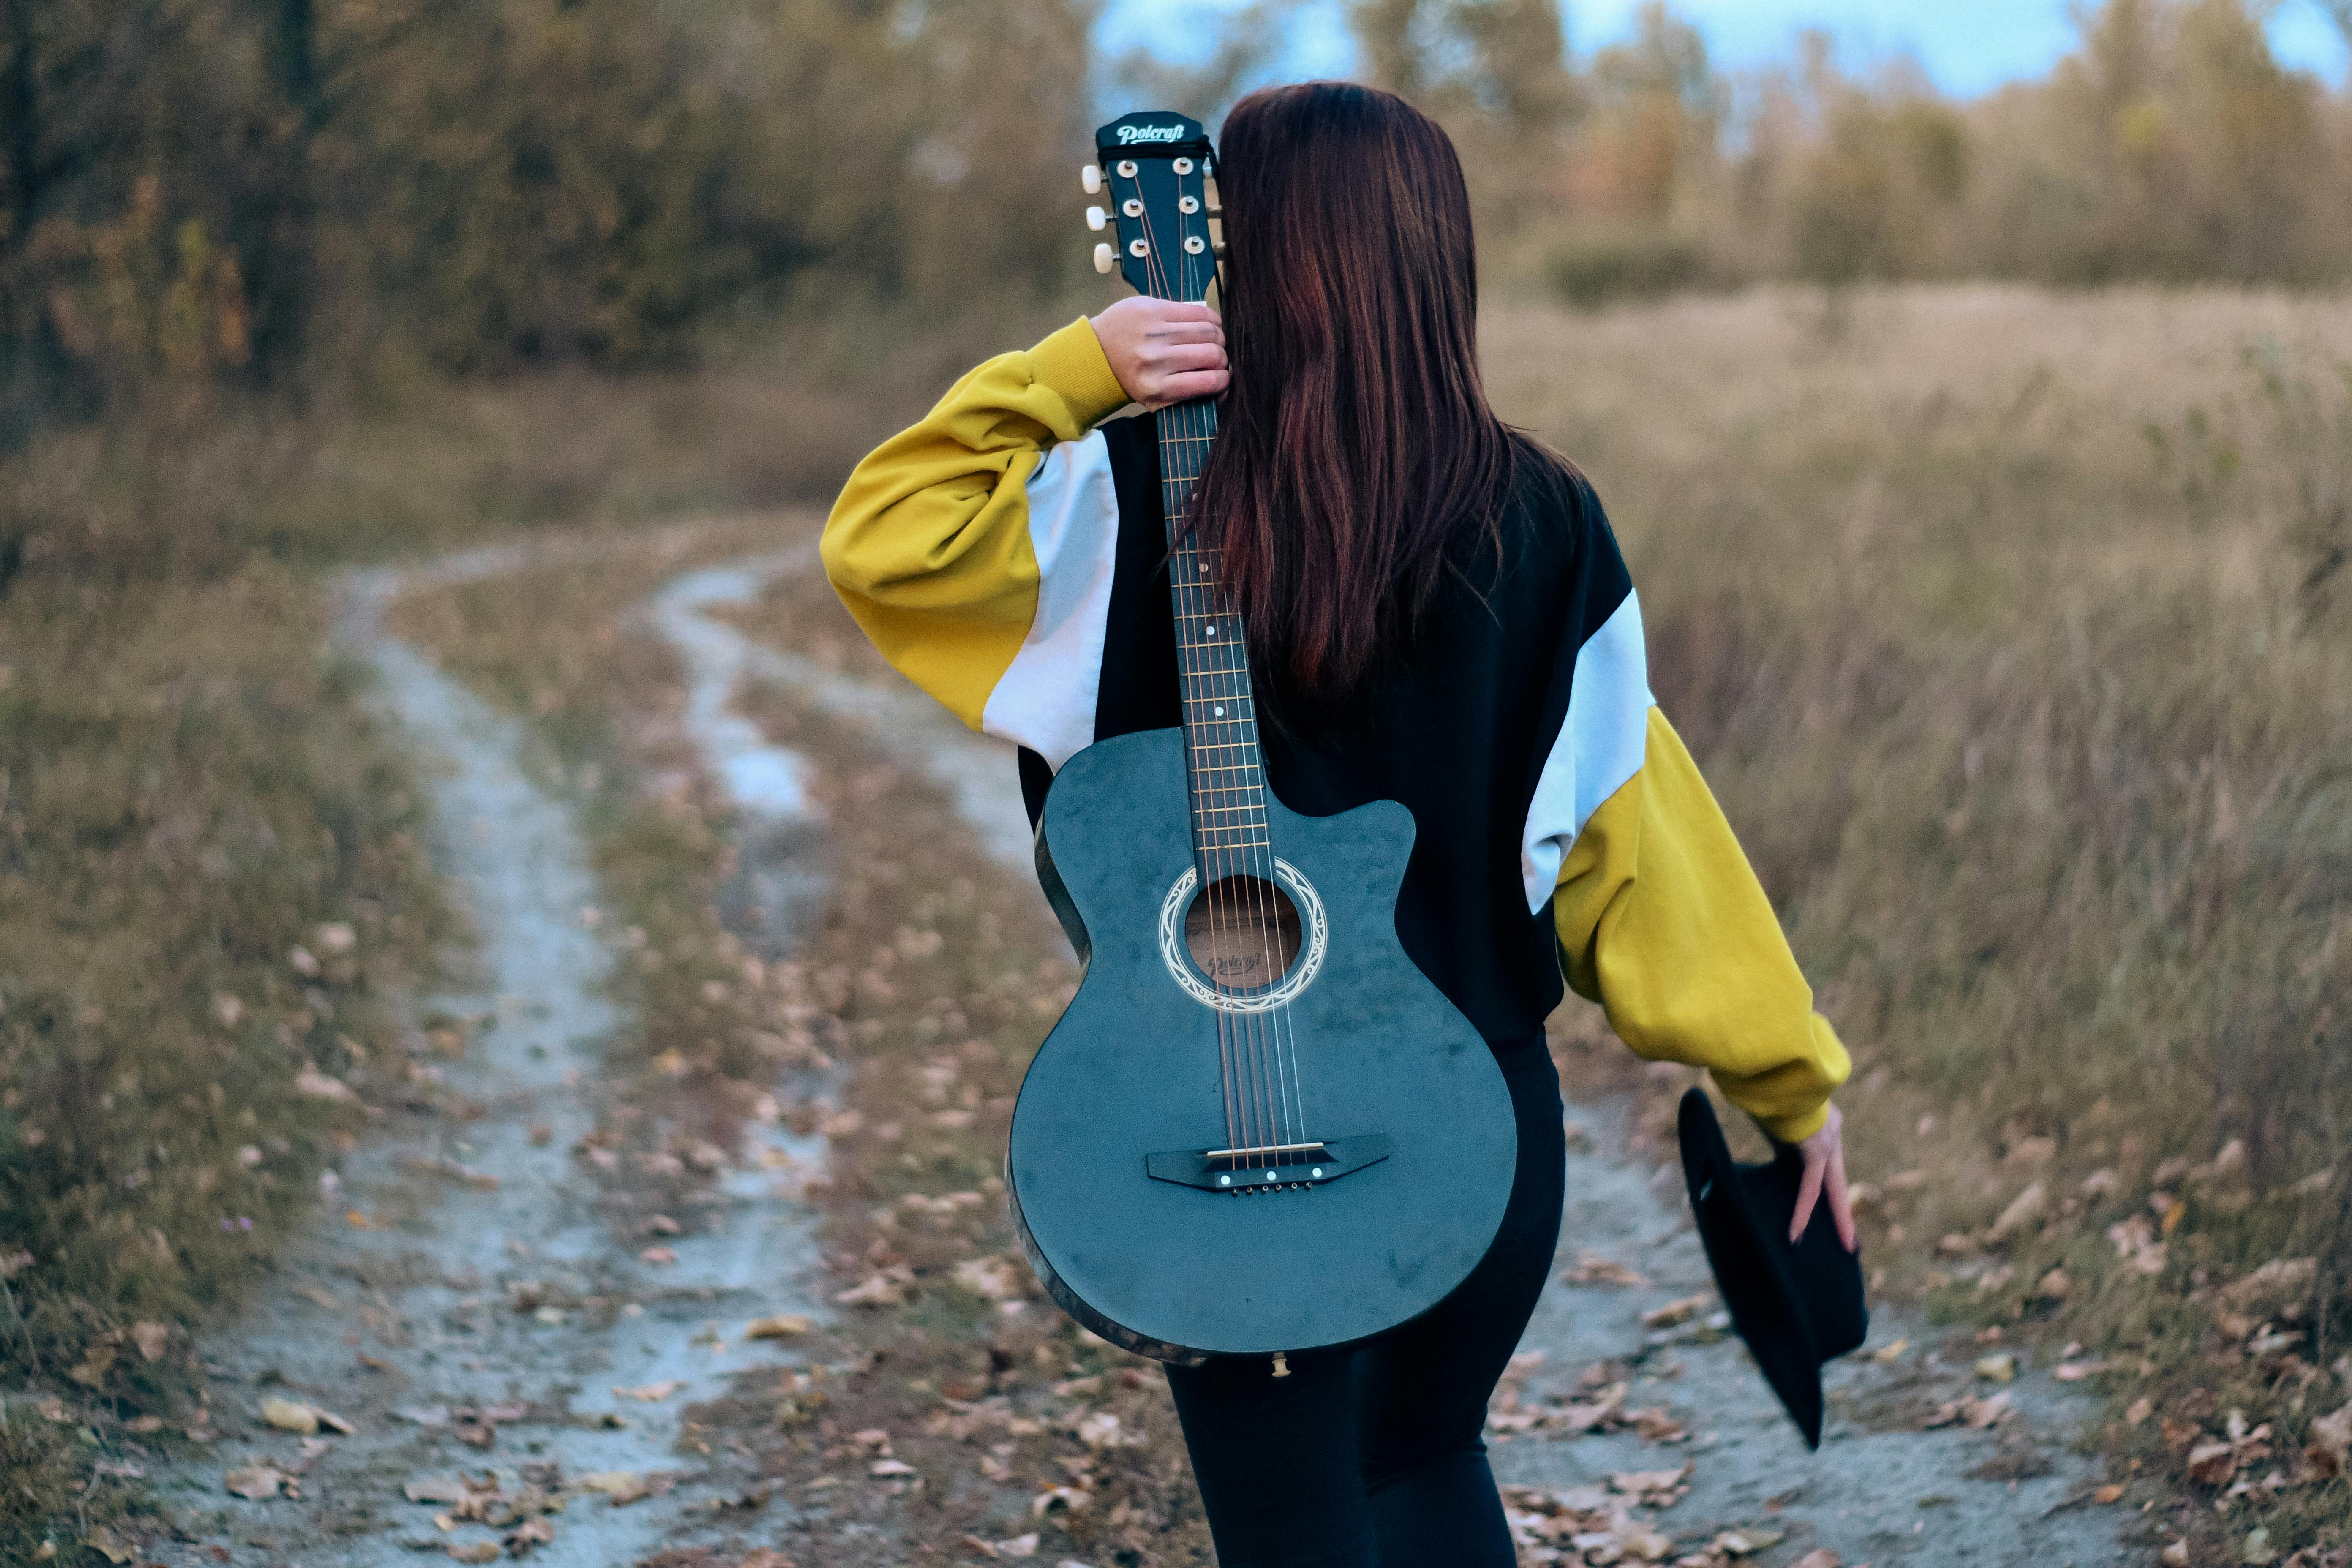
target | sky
[{"x": 1967, "y": 47}]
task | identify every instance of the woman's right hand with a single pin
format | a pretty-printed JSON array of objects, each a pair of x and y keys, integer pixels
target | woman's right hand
[{"x": 1164, "y": 352}]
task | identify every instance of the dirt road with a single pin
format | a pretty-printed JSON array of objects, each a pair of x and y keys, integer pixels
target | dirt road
[{"x": 465, "y": 1307}]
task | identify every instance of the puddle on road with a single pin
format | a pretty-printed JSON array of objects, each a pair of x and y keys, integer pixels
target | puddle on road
[
  {"x": 482, "y": 1274},
  {"x": 979, "y": 773}
]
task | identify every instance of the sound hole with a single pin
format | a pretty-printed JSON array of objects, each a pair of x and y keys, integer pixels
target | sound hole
[{"x": 1243, "y": 932}]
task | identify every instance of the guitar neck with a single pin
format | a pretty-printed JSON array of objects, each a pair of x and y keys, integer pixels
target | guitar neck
[{"x": 1222, "y": 756}]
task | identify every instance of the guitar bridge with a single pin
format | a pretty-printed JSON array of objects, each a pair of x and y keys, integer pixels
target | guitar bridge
[{"x": 1268, "y": 1167}]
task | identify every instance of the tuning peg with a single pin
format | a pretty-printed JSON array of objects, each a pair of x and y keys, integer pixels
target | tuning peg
[
  {"x": 1097, "y": 218},
  {"x": 1217, "y": 209},
  {"x": 1105, "y": 259},
  {"x": 1090, "y": 177},
  {"x": 1219, "y": 246}
]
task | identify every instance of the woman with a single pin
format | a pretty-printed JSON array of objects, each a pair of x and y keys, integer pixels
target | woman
[{"x": 1438, "y": 614}]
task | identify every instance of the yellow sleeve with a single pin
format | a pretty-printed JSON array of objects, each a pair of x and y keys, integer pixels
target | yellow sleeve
[
  {"x": 929, "y": 544},
  {"x": 1662, "y": 922}
]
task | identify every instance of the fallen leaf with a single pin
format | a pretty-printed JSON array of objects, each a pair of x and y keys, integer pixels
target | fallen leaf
[
  {"x": 1592, "y": 1268},
  {"x": 2282, "y": 1283},
  {"x": 319, "y": 1085},
  {"x": 2257, "y": 1549},
  {"x": 2331, "y": 1441},
  {"x": 152, "y": 1339},
  {"x": 2112, "y": 1492},
  {"x": 1019, "y": 1546},
  {"x": 1820, "y": 1557},
  {"x": 103, "y": 1540},
  {"x": 2001, "y": 1368},
  {"x": 766, "y": 1557},
  {"x": 874, "y": 1291},
  {"x": 994, "y": 1278},
  {"x": 783, "y": 1326},
  {"x": 2175, "y": 1556},
  {"x": 288, "y": 1416},
  {"x": 531, "y": 1533},
  {"x": 1982, "y": 1413},
  {"x": 651, "y": 1392},
  {"x": 1073, "y": 1500},
  {"x": 1886, "y": 1355},
  {"x": 473, "y": 1551},
  {"x": 889, "y": 1467},
  {"x": 2077, "y": 1371},
  {"x": 1101, "y": 1430},
  {"x": 658, "y": 1256},
  {"x": 2212, "y": 1463},
  {"x": 1657, "y": 1426},
  {"x": 1746, "y": 1542},
  {"x": 2141, "y": 1409},
  {"x": 255, "y": 1483},
  {"x": 2025, "y": 1209},
  {"x": 436, "y": 1488},
  {"x": 1674, "y": 1313},
  {"x": 1655, "y": 1488}
]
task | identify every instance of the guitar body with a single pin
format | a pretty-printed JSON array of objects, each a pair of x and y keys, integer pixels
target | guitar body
[{"x": 1415, "y": 1144}]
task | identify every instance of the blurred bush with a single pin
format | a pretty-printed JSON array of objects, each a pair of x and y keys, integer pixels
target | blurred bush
[
  {"x": 2170, "y": 146},
  {"x": 247, "y": 193},
  {"x": 1605, "y": 268}
]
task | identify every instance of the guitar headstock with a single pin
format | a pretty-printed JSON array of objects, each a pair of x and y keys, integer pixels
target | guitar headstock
[{"x": 1154, "y": 170}]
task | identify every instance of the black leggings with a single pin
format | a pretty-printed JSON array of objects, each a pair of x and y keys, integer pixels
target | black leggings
[{"x": 1371, "y": 1456}]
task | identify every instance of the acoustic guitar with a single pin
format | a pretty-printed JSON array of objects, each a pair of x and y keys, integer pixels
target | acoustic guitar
[{"x": 1257, "y": 1129}]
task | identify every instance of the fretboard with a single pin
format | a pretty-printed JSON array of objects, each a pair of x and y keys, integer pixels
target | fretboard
[{"x": 1221, "y": 741}]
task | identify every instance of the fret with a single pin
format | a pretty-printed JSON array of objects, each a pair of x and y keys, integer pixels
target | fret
[{"x": 1225, "y": 770}]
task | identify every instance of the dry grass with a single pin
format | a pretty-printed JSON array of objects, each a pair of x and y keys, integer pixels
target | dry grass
[
  {"x": 207, "y": 888},
  {"x": 2002, "y": 623},
  {"x": 1988, "y": 613}
]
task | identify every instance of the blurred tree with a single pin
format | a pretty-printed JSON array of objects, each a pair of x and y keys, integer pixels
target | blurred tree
[
  {"x": 1658, "y": 112},
  {"x": 252, "y": 192},
  {"x": 1249, "y": 42}
]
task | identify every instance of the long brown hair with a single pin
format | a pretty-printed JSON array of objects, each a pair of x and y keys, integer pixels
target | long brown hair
[{"x": 1356, "y": 448}]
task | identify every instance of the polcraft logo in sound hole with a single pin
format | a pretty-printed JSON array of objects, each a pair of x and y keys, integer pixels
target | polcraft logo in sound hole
[{"x": 1291, "y": 944}]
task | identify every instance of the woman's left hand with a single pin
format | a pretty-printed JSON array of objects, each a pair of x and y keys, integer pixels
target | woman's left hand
[{"x": 1825, "y": 1154}]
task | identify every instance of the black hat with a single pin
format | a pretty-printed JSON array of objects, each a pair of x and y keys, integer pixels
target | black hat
[{"x": 1797, "y": 1306}]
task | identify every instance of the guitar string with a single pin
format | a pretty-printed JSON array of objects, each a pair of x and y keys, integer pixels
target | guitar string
[
  {"x": 1269, "y": 897},
  {"x": 1231, "y": 1047},
  {"x": 1229, "y": 802},
  {"x": 1235, "y": 736},
  {"x": 1274, "y": 1093}
]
